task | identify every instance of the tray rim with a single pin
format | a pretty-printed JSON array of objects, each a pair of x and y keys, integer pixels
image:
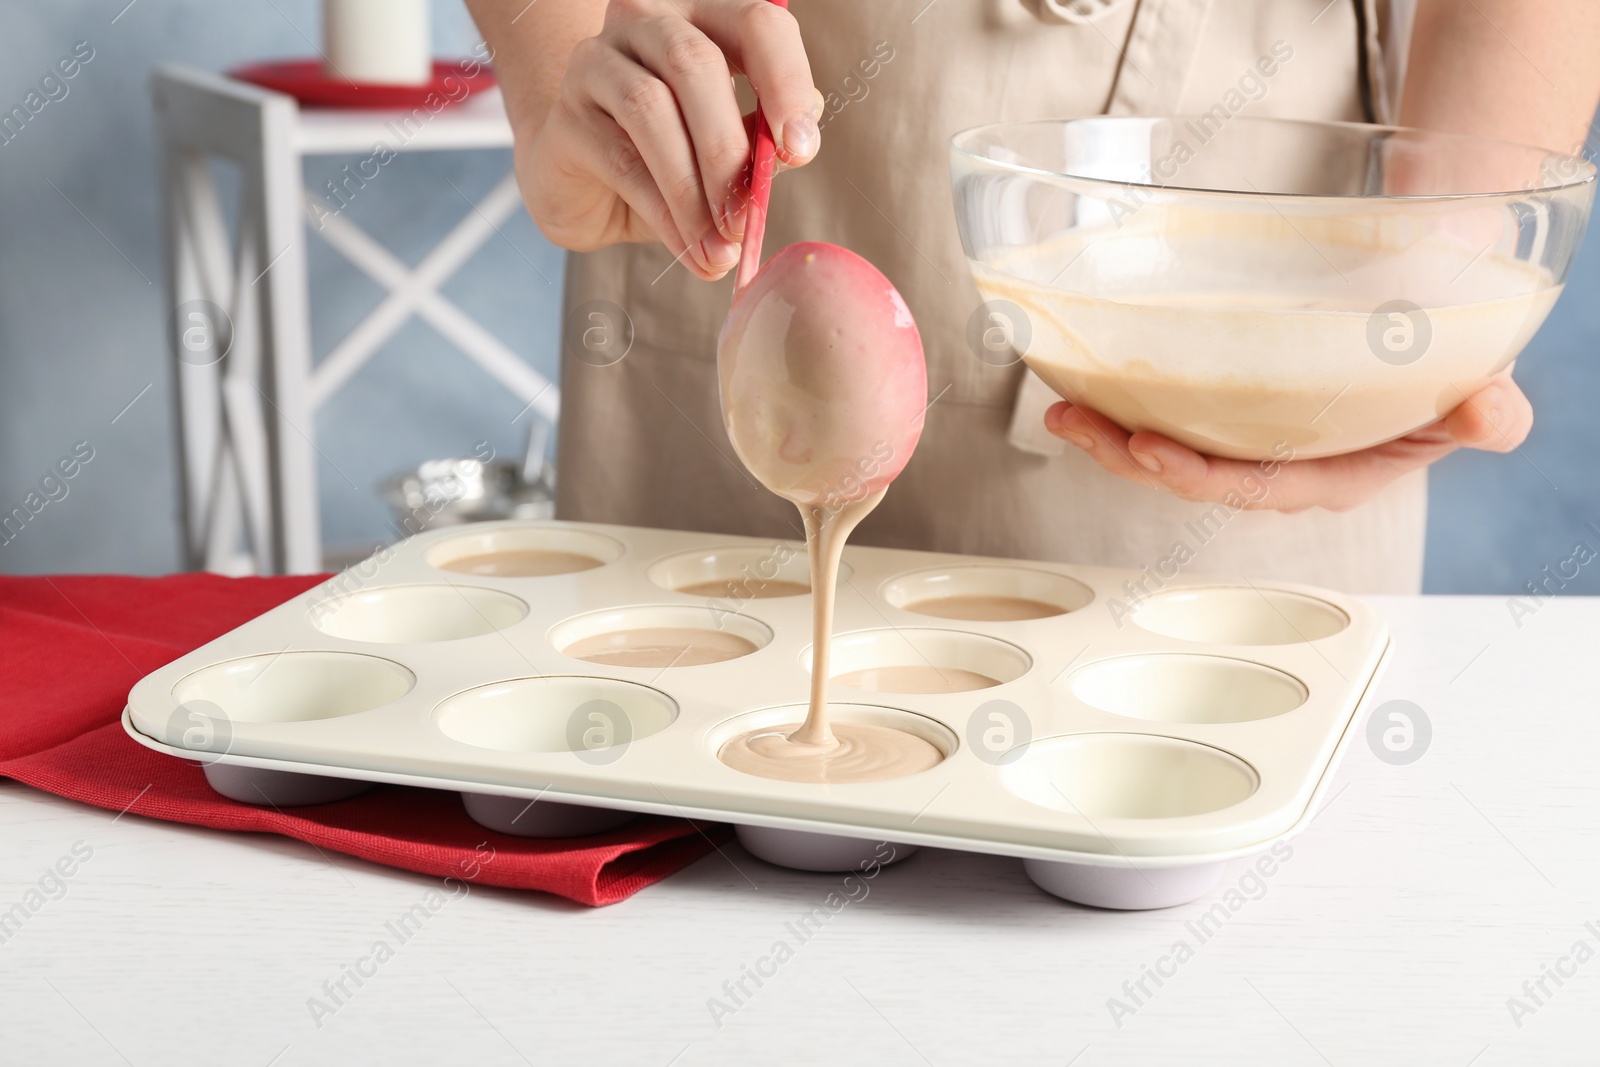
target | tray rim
[
  {"x": 1363, "y": 653},
  {"x": 812, "y": 825}
]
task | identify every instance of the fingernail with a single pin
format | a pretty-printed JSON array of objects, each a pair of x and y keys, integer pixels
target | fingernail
[
  {"x": 1148, "y": 462},
  {"x": 819, "y": 104},
  {"x": 1055, "y": 418},
  {"x": 733, "y": 219},
  {"x": 719, "y": 253},
  {"x": 800, "y": 137},
  {"x": 1058, "y": 427}
]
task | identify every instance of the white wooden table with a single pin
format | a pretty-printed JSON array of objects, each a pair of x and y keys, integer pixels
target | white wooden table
[
  {"x": 1418, "y": 902},
  {"x": 248, "y": 386}
]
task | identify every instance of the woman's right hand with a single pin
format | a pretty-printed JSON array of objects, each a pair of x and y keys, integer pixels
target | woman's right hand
[{"x": 645, "y": 140}]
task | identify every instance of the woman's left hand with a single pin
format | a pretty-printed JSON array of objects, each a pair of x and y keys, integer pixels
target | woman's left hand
[{"x": 1497, "y": 418}]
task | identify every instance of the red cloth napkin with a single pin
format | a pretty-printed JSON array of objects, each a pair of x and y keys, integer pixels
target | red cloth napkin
[{"x": 72, "y": 647}]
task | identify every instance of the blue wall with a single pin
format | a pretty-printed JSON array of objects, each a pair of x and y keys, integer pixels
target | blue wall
[
  {"x": 82, "y": 321},
  {"x": 1495, "y": 522},
  {"x": 82, "y": 313}
]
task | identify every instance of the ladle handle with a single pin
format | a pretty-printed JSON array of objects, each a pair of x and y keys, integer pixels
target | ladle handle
[{"x": 763, "y": 162}]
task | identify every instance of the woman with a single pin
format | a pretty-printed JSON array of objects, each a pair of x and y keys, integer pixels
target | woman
[{"x": 630, "y": 141}]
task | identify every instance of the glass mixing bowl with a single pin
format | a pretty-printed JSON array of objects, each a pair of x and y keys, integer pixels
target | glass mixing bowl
[{"x": 1263, "y": 288}]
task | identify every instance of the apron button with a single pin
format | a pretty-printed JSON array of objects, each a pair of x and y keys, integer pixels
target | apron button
[{"x": 1071, "y": 11}]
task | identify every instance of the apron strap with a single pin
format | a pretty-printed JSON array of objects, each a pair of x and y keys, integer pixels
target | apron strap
[{"x": 1385, "y": 27}]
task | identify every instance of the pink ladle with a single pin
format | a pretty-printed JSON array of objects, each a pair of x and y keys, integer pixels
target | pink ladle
[
  {"x": 820, "y": 364},
  {"x": 824, "y": 389}
]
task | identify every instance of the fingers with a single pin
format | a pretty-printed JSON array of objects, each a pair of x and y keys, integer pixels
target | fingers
[
  {"x": 819, "y": 105},
  {"x": 1497, "y": 418},
  {"x": 603, "y": 148},
  {"x": 647, "y": 135},
  {"x": 696, "y": 71},
  {"x": 763, "y": 42},
  {"x": 564, "y": 184},
  {"x": 646, "y": 109},
  {"x": 1336, "y": 483},
  {"x": 1100, "y": 437},
  {"x": 1164, "y": 464},
  {"x": 1282, "y": 483}
]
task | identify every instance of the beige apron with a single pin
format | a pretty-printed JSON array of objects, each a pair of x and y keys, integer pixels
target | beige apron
[{"x": 642, "y": 441}]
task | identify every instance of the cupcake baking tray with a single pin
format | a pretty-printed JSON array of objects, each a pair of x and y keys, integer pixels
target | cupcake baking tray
[{"x": 1154, "y": 729}]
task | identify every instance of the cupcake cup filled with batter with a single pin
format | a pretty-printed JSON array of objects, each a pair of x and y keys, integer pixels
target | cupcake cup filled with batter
[
  {"x": 736, "y": 573},
  {"x": 524, "y": 552},
  {"x": 922, "y": 661},
  {"x": 867, "y": 744},
  {"x": 987, "y": 594},
  {"x": 659, "y": 637}
]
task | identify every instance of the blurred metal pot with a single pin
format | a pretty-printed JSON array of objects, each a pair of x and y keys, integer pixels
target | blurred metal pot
[{"x": 448, "y": 492}]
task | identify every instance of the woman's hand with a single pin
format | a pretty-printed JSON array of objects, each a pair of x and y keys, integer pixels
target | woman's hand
[
  {"x": 644, "y": 140},
  {"x": 1496, "y": 419}
]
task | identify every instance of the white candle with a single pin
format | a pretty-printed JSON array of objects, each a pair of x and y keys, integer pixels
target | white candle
[{"x": 383, "y": 42}]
